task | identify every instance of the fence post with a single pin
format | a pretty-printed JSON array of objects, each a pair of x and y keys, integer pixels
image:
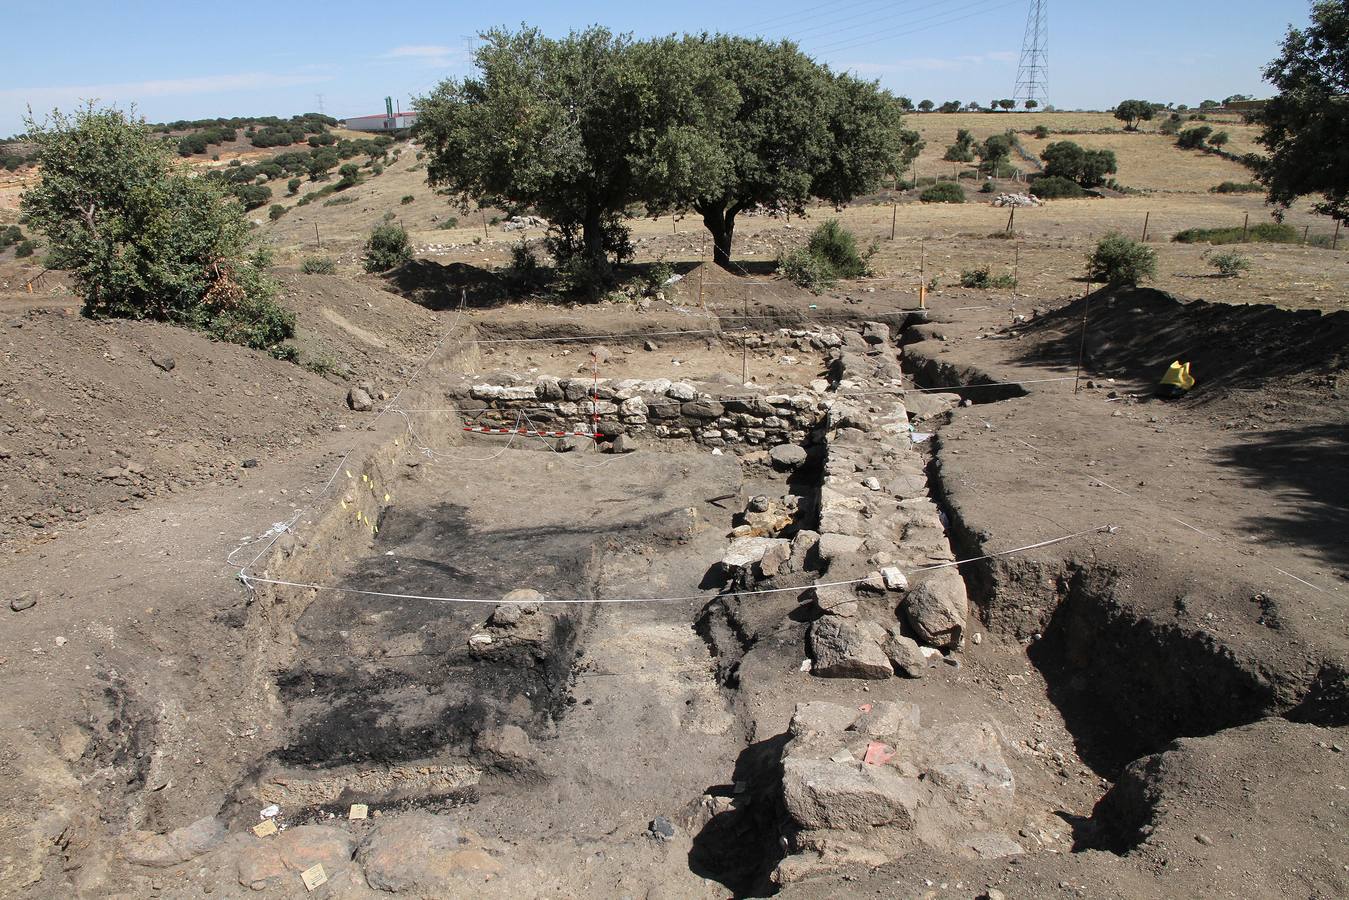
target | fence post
[
  {"x": 1335, "y": 241},
  {"x": 894, "y": 214},
  {"x": 1245, "y": 227},
  {"x": 1305, "y": 229},
  {"x": 1146, "y": 218},
  {"x": 1011, "y": 220}
]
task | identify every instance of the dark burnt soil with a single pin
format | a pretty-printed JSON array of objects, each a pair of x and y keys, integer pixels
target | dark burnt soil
[{"x": 388, "y": 680}]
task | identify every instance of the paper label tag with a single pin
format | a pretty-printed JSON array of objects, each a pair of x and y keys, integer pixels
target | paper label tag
[
  {"x": 264, "y": 828},
  {"x": 358, "y": 811},
  {"x": 314, "y": 876}
]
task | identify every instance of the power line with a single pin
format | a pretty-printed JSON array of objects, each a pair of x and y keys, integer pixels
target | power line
[
  {"x": 814, "y": 12},
  {"x": 893, "y": 33}
]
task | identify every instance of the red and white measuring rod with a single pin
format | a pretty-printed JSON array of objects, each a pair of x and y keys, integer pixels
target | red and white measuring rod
[{"x": 482, "y": 429}]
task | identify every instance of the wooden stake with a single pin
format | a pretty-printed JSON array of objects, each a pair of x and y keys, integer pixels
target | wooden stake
[
  {"x": 894, "y": 214},
  {"x": 1335, "y": 241},
  {"x": 702, "y": 266},
  {"x": 922, "y": 275},
  {"x": 317, "y": 240},
  {"x": 1245, "y": 227},
  {"x": 1011, "y": 220},
  {"x": 1146, "y": 217},
  {"x": 1082, "y": 347},
  {"x": 1305, "y": 229},
  {"x": 1016, "y": 266},
  {"x": 482, "y": 212}
]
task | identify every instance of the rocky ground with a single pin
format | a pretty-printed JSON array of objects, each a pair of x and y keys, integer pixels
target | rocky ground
[{"x": 1156, "y": 710}]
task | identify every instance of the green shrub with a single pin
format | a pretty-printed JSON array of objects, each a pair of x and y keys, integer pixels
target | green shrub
[
  {"x": 986, "y": 187},
  {"x": 1218, "y": 139},
  {"x": 387, "y": 248},
  {"x": 943, "y": 192},
  {"x": 376, "y": 169},
  {"x": 339, "y": 201},
  {"x": 26, "y": 248},
  {"x": 1041, "y": 131},
  {"x": 804, "y": 270},
  {"x": 983, "y": 279},
  {"x": 657, "y": 274},
  {"x": 1237, "y": 187},
  {"x": 524, "y": 273},
  {"x": 9, "y": 236},
  {"x": 168, "y": 245},
  {"x": 1120, "y": 260},
  {"x": 1193, "y": 138},
  {"x": 407, "y": 198},
  {"x": 836, "y": 247},
  {"x": 293, "y": 186},
  {"x": 1229, "y": 264},
  {"x": 276, "y": 212},
  {"x": 1054, "y": 187},
  {"x": 450, "y": 222},
  {"x": 318, "y": 265},
  {"x": 1265, "y": 232},
  {"x": 252, "y": 195}
]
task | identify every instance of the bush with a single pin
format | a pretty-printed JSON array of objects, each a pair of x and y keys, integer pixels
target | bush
[
  {"x": 252, "y": 195},
  {"x": 293, "y": 186},
  {"x": 1193, "y": 138},
  {"x": 657, "y": 274},
  {"x": 168, "y": 247},
  {"x": 276, "y": 212},
  {"x": 804, "y": 270},
  {"x": 25, "y": 249},
  {"x": 1265, "y": 232},
  {"x": 1218, "y": 139},
  {"x": 1229, "y": 264},
  {"x": 387, "y": 248},
  {"x": 407, "y": 198},
  {"x": 1237, "y": 187},
  {"x": 1054, "y": 187},
  {"x": 318, "y": 265},
  {"x": 524, "y": 272},
  {"x": 448, "y": 223},
  {"x": 943, "y": 192},
  {"x": 1041, "y": 131},
  {"x": 339, "y": 201},
  {"x": 836, "y": 247},
  {"x": 1120, "y": 260},
  {"x": 9, "y": 236},
  {"x": 983, "y": 279},
  {"x": 986, "y": 187}
]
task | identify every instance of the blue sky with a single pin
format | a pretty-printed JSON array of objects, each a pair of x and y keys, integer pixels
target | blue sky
[{"x": 188, "y": 60}]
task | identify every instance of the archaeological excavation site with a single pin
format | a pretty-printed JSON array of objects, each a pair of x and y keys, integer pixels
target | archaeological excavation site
[{"x": 805, "y": 599}]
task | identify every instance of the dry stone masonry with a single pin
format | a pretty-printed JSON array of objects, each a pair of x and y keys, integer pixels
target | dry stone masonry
[{"x": 713, "y": 415}]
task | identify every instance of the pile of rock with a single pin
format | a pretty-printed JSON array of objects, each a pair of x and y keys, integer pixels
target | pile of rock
[
  {"x": 520, "y": 223},
  {"x": 712, "y": 415},
  {"x": 1016, "y": 200},
  {"x": 863, "y": 786}
]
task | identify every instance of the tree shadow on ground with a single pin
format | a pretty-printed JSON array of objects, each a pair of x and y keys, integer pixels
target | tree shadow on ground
[
  {"x": 1310, "y": 464},
  {"x": 439, "y": 287}
]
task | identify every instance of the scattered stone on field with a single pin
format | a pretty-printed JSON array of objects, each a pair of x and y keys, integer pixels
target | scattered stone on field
[
  {"x": 937, "y": 608},
  {"x": 875, "y": 332},
  {"x": 905, "y": 654},
  {"x": 601, "y": 354},
  {"x": 661, "y": 828},
  {"x": 163, "y": 361},
  {"x": 22, "y": 602},
  {"x": 1016, "y": 200},
  {"x": 650, "y": 346},
  {"x": 505, "y": 616},
  {"x": 623, "y": 444}
]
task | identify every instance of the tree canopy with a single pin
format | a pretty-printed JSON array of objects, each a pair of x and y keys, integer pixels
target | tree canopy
[
  {"x": 1131, "y": 112},
  {"x": 144, "y": 239},
  {"x": 1306, "y": 126},
  {"x": 581, "y": 128}
]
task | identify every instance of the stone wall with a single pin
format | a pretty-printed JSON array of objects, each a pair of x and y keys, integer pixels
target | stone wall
[{"x": 715, "y": 415}]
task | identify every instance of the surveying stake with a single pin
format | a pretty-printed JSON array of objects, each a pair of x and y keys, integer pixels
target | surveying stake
[{"x": 922, "y": 275}]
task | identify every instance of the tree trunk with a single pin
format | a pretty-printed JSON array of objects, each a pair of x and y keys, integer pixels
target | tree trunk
[
  {"x": 721, "y": 222},
  {"x": 592, "y": 235}
]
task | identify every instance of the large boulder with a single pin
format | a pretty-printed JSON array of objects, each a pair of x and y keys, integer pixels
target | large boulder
[
  {"x": 936, "y": 608},
  {"x": 905, "y": 654},
  {"x": 787, "y": 456},
  {"x": 178, "y": 846},
  {"x": 270, "y": 860},
  {"x": 424, "y": 855},
  {"x": 854, "y": 796},
  {"x": 848, "y": 648}
]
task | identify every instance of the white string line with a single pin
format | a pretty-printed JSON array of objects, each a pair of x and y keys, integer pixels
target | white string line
[{"x": 250, "y": 580}]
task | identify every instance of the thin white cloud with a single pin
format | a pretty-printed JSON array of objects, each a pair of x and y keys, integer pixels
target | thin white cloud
[{"x": 40, "y": 97}]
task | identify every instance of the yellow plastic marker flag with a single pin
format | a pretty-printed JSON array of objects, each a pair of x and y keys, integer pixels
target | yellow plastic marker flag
[{"x": 1178, "y": 376}]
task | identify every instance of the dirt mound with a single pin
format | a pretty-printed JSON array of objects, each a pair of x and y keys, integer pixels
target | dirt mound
[
  {"x": 99, "y": 415},
  {"x": 1302, "y": 355}
]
